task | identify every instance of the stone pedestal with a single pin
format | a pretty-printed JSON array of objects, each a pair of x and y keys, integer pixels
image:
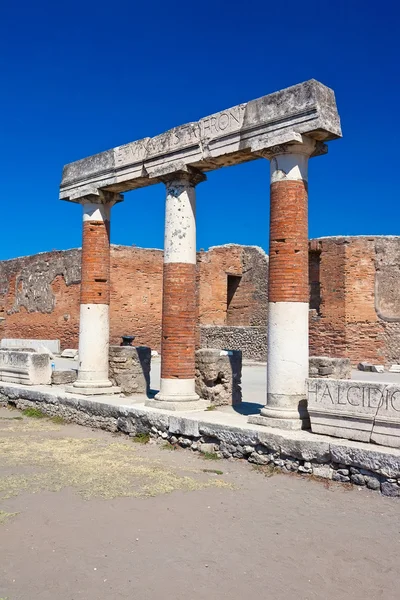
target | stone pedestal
[
  {"x": 129, "y": 368},
  {"x": 27, "y": 367},
  {"x": 219, "y": 376}
]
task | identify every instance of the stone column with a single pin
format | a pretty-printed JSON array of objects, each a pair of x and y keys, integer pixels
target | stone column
[
  {"x": 177, "y": 389},
  {"x": 94, "y": 326},
  {"x": 288, "y": 293}
]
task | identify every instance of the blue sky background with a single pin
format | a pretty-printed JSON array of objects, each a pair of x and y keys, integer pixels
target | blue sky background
[{"x": 81, "y": 77}]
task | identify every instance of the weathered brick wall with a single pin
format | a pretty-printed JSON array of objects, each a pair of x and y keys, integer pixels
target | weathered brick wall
[
  {"x": 355, "y": 295},
  {"x": 359, "y": 313},
  {"x": 249, "y": 304},
  {"x": 39, "y": 295}
]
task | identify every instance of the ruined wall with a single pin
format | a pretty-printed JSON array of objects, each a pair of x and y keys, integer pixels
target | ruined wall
[
  {"x": 359, "y": 314},
  {"x": 249, "y": 304},
  {"x": 39, "y": 295}
]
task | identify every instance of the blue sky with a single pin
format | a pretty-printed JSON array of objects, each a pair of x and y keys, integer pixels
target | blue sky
[{"x": 81, "y": 77}]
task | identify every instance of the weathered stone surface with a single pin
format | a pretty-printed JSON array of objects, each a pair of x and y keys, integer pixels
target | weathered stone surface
[
  {"x": 219, "y": 376},
  {"x": 355, "y": 410},
  {"x": 69, "y": 353},
  {"x": 225, "y": 138},
  {"x": 364, "y": 366},
  {"x": 26, "y": 367},
  {"x": 182, "y": 426},
  {"x": 129, "y": 368},
  {"x": 390, "y": 489},
  {"x": 394, "y": 369},
  {"x": 338, "y": 408},
  {"x": 63, "y": 377},
  {"x": 251, "y": 341},
  {"x": 53, "y": 346},
  {"x": 333, "y": 368},
  {"x": 378, "y": 369}
]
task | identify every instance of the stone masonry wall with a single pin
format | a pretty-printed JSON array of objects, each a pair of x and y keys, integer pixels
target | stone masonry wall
[
  {"x": 39, "y": 295},
  {"x": 359, "y": 311},
  {"x": 354, "y": 297}
]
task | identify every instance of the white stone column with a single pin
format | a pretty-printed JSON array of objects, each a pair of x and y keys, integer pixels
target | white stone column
[
  {"x": 94, "y": 325},
  {"x": 178, "y": 344},
  {"x": 288, "y": 290}
]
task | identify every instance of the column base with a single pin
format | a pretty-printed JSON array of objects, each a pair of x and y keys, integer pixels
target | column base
[
  {"x": 88, "y": 388},
  {"x": 283, "y": 418},
  {"x": 177, "y": 406},
  {"x": 177, "y": 394},
  {"x": 288, "y": 424}
]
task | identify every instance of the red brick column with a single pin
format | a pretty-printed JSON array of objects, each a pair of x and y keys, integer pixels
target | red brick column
[
  {"x": 94, "y": 329},
  {"x": 288, "y": 292},
  {"x": 177, "y": 390}
]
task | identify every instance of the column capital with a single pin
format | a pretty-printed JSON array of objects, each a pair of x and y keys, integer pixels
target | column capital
[
  {"x": 101, "y": 197},
  {"x": 188, "y": 175},
  {"x": 294, "y": 143}
]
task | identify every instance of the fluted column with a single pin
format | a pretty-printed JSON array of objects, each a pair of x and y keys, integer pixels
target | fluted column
[
  {"x": 177, "y": 389},
  {"x": 94, "y": 325}
]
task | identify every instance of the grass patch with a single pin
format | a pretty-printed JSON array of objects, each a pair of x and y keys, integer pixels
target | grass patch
[
  {"x": 4, "y": 516},
  {"x": 168, "y": 446},
  {"x": 214, "y": 471},
  {"x": 211, "y": 407},
  {"x": 267, "y": 470},
  {"x": 58, "y": 421},
  {"x": 141, "y": 438},
  {"x": 35, "y": 413},
  {"x": 211, "y": 456}
]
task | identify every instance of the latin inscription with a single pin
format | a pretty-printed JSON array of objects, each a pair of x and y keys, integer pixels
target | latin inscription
[{"x": 354, "y": 395}]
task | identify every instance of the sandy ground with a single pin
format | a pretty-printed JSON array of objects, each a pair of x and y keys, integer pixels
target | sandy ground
[{"x": 88, "y": 515}]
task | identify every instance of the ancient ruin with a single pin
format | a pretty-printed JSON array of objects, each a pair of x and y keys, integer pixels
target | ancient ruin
[{"x": 204, "y": 311}]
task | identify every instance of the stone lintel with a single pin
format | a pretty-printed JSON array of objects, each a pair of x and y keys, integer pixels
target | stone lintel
[{"x": 225, "y": 138}]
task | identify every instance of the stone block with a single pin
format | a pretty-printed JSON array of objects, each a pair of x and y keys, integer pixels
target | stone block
[
  {"x": 219, "y": 376},
  {"x": 27, "y": 367},
  {"x": 224, "y": 138},
  {"x": 64, "y": 377},
  {"x": 341, "y": 409},
  {"x": 355, "y": 410},
  {"x": 53, "y": 346},
  {"x": 333, "y": 368},
  {"x": 364, "y": 366},
  {"x": 69, "y": 353},
  {"x": 394, "y": 369},
  {"x": 129, "y": 368},
  {"x": 377, "y": 368}
]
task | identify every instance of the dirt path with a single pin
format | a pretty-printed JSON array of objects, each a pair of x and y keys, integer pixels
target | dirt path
[{"x": 100, "y": 517}]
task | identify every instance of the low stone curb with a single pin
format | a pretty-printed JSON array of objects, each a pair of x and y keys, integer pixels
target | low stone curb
[{"x": 375, "y": 468}]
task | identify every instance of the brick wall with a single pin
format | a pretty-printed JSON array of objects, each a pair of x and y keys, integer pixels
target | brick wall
[
  {"x": 355, "y": 295},
  {"x": 39, "y": 295},
  {"x": 359, "y": 315}
]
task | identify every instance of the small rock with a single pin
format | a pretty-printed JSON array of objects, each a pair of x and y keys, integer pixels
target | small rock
[
  {"x": 343, "y": 471},
  {"x": 390, "y": 489},
  {"x": 247, "y": 449},
  {"x": 164, "y": 435},
  {"x": 303, "y": 469},
  {"x": 339, "y": 477},
  {"x": 394, "y": 369},
  {"x": 357, "y": 479},
  {"x": 364, "y": 366},
  {"x": 372, "y": 483},
  {"x": 195, "y": 446},
  {"x": 207, "y": 448},
  {"x": 258, "y": 459},
  {"x": 354, "y": 471},
  {"x": 173, "y": 440},
  {"x": 307, "y": 465},
  {"x": 378, "y": 369}
]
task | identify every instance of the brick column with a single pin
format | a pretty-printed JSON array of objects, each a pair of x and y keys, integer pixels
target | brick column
[
  {"x": 288, "y": 293},
  {"x": 177, "y": 389},
  {"x": 94, "y": 327}
]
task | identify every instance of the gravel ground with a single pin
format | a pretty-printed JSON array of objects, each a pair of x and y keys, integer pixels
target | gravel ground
[{"x": 87, "y": 515}]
